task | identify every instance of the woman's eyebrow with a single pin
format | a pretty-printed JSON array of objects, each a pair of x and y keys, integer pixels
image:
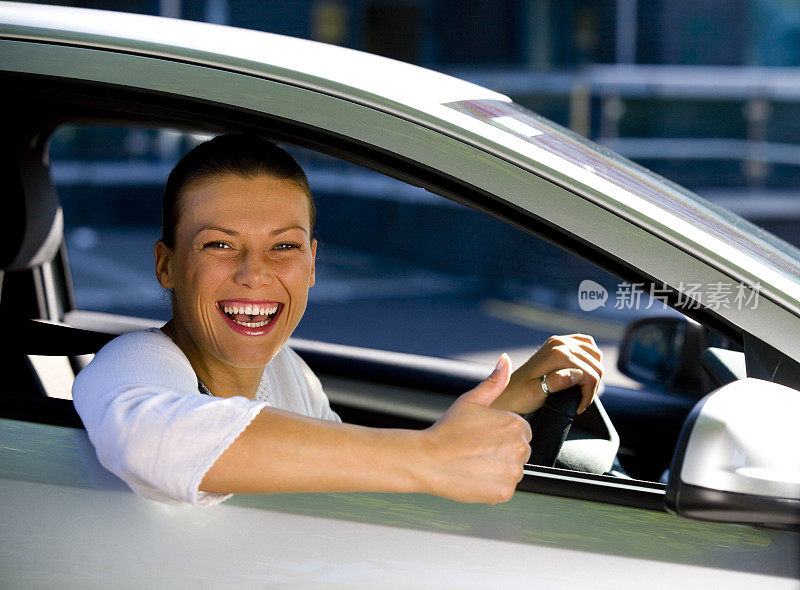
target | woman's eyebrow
[
  {"x": 232, "y": 232},
  {"x": 224, "y": 230},
  {"x": 287, "y": 228}
]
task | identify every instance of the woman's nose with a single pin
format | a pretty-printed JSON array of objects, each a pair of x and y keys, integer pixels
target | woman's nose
[{"x": 253, "y": 270}]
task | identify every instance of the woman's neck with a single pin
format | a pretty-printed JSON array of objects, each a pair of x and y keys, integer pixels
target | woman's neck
[{"x": 221, "y": 379}]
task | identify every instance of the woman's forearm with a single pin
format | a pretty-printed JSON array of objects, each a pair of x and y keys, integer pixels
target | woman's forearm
[
  {"x": 281, "y": 452},
  {"x": 473, "y": 453}
]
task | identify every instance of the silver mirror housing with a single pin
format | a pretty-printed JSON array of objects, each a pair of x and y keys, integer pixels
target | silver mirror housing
[{"x": 738, "y": 457}]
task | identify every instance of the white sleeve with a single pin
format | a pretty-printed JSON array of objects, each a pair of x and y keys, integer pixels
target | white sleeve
[{"x": 149, "y": 425}]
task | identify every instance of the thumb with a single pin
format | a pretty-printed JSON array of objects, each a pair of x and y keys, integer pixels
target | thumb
[{"x": 485, "y": 393}]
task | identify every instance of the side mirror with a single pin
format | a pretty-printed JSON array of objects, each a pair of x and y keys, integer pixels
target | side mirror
[
  {"x": 663, "y": 352},
  {"x": 737, "y": 457}
]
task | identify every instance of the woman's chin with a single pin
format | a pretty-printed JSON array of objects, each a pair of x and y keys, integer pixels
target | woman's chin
[{"x": 250, "y": 355}]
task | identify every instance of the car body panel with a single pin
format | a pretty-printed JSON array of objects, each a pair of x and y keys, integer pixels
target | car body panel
[{"x": 63, "y": 512}]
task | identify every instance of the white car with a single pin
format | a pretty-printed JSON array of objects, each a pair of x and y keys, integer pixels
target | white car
[{"x": 729, "y": 514}]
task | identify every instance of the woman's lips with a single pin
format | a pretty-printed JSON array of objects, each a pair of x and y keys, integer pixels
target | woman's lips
[{"x": 251, "y": 317}]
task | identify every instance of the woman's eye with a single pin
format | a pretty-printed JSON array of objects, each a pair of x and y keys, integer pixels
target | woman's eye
[
  {"x": 285, "y": 246},
  {"x": 216, "y": 245}
]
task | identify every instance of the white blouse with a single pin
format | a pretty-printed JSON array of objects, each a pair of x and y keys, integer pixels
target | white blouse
[{"x": 150, "y": 425}]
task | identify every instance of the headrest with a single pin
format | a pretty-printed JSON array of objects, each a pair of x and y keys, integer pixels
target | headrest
[{"x": 34, "y": 221}]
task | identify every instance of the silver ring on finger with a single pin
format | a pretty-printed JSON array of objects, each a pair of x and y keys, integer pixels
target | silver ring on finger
[{"x": 544, "y": 385}]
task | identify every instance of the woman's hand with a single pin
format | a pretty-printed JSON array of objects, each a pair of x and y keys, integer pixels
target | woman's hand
[
  {"x": 566, "y": 360},
  {"x": 475, "y": 453}
]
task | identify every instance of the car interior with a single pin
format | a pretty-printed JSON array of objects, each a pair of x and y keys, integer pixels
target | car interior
[{"x": 627, "y": 438}]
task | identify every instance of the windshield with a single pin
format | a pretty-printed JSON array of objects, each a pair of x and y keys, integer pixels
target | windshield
[{"x": 610, "y": 166}]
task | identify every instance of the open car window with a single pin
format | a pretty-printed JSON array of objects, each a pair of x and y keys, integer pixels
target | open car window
[{"x": 398, "y": 269}]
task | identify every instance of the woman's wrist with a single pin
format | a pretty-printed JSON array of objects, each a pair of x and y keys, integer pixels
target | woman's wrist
[
  {"x": 520, "y": 398},
  {"x": 409, "y": 461}
]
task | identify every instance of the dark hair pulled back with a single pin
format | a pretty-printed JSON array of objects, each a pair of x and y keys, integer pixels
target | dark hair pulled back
[{"x": 240, "y": 154}]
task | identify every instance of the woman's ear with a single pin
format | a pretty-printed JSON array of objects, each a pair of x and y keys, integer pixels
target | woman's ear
[
  {"x": 313, "y": 279},
  {"x": 163, "y": 257}
]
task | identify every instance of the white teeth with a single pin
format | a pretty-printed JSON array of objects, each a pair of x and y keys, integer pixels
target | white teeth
[
  {"x": 253, "y": 324},
  {"x": 249, "y": 310}
]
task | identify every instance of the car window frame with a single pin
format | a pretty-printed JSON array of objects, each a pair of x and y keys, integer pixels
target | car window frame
[{"x": 122, "y": 105}]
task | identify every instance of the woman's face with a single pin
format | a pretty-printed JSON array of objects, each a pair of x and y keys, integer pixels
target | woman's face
[{"x": 241, "y": 268}]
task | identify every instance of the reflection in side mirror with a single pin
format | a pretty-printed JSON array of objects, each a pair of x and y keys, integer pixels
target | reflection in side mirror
[
  {"x": 663, "y": 352},
  {"x": 737, "y": 457}
]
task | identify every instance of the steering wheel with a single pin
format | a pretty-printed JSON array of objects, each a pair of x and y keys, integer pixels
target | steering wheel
[
  {"x": 551, "y": 424},
  {"x": 560, "y": 438}
]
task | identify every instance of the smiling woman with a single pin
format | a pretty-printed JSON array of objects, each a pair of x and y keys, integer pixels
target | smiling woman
[{"x": 238, "y": 253}]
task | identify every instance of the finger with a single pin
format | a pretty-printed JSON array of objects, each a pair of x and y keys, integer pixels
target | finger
[
  {"x": 562, "y": 379},
  {"x": 584, "y": 350},
  {"x": 527, "y": 457},
  {"x": 528, "y": 432},
  {"x": 485, "y": 393},
  {"x": 565, "y": 378},
  {"x": 586, "y": 343},
  {"x": 565, "y": 357},
  {"x": 589, "y": 379},
  {"x": 583, "y": 337},
  {"x": 589, "y": 385},
  {"x": 592, "y": 357},
  {"x": 593, "y": 351}
]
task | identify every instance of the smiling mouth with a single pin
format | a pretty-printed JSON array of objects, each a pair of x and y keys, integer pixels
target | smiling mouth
[{"x": 250, "y": 315}]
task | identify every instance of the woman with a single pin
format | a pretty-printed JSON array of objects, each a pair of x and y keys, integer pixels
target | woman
[{"x": 237, "y": 253}]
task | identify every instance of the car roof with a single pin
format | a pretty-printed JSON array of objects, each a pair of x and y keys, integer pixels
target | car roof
[{"x": 351, "y": 74}]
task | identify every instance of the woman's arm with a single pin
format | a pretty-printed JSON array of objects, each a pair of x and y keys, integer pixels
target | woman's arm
[
  {"x": 474, "y": 453},
  {"x": 139, "y": 402}
]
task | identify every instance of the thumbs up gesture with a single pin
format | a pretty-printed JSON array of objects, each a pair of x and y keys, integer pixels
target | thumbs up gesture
[{"x": 475, "y": 453}]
